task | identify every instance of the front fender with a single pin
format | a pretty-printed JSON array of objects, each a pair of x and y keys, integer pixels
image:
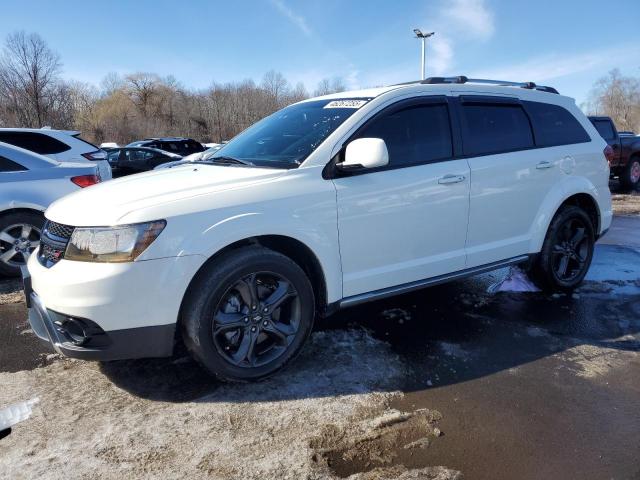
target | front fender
[{"x": 310, "y": 220}]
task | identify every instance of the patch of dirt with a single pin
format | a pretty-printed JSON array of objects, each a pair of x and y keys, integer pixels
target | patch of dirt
[
  {"x": 89, "y": 424},
  {"x": 591, "y": 361},
  {"x": 372, "y": 446},
  {"x": 10, "y": 291},
  {"x": 626, "y": 203}
]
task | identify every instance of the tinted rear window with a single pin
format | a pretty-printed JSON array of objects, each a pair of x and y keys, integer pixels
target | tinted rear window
[
  {"x": 36, "y": 142},
  {"x": 604, "y": 128},
  {"x": 7, "y": 165},
  {"x": 181, "y": 147},
  {"x": 555, "y": 125},
  {"x": 414, "y": 135},
  {"x": 494, "y": 128}
]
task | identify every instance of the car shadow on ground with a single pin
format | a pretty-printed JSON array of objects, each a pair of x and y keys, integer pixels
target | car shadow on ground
[{"x": 434, "y": 337}]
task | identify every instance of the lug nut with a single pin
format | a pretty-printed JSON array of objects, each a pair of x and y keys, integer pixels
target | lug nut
[
  {"x": 253, "y": 329},
  {"x": 265, "y": 310},
  {"x": 254, "y": 307},
  {"x": 246, "y": 319},
  {"x": 265, "y": 323}
]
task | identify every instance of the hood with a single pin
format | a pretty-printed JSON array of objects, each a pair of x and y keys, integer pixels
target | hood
[{"x": 107, "y": 203}]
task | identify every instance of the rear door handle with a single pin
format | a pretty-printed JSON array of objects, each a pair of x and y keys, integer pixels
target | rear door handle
[
  {"x": 543, "y": 165},
  {"x": 448, "y": 179}
]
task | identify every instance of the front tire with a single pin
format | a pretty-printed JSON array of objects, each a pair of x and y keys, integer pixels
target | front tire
[
  {"x": 247, "y": 314},
  {"x": 630, "y": 176},
  {"x": 566, "y": 253}
]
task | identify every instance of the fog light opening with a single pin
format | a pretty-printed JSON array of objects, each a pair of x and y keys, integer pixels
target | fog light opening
[{"x": 74, "y": 331}]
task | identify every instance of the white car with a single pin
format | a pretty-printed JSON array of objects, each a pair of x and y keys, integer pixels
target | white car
[
  {"x": 59, "y": 145},
  {"x": 328, "y": 203},
  {"x": 29, "y": 183}
]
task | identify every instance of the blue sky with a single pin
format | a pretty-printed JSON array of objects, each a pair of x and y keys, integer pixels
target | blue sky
[{"x": 564, "y": 43}]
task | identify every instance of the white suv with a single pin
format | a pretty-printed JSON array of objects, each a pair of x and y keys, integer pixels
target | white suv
[
  {"x": 59, "y": 145},
  {"x": 325, "y": 204}
]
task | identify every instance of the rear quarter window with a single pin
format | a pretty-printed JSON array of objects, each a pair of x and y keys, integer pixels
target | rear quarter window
[
  {"x": 35, "y": 142},
  {"x": 605, "y": 129},
  {"x": 7, "y": 165},
  {"x": 554, "y": 125}
]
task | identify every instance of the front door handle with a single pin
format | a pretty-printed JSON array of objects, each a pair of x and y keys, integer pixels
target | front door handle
[
  {"x": 543, "y": 165},
  {"x": 448, "y": 179}
]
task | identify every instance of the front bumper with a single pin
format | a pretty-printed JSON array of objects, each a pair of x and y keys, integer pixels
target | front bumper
[
  {"x": 142, "y": 342},
  {"x": 126, "y": 310}
]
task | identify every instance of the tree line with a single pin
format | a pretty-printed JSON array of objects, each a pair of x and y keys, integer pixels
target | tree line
[
  {"x": 128, "y": 107},
  {"x": 139, "y": 105}
]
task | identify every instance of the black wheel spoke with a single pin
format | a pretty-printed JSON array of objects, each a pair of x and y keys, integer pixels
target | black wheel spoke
[
  {"x": 562, "y": 267},
  {"x": 280, "y": 330},
  {"x": 248, "y": 290},
  {"x": 279, "y": 296},
  {"x": 228, "y": 321},
  {"x": 578, "y": 236}
]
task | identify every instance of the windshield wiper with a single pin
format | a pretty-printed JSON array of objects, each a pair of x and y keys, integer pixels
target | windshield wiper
[{"x": 228, "y": 161}]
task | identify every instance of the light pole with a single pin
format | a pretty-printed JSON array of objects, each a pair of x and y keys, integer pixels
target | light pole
[{"x": 423, "y": 37}]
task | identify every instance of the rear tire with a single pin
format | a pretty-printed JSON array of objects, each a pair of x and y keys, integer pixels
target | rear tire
[
  {"x": 19, "y": 237},
  {"x": 630, "y": 176},
  {"x": 566, "y": 253},
  {"x": 248, "y": 314}
]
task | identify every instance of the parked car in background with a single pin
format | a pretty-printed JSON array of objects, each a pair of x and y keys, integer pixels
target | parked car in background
[
  {"x": 328, "y": 203},
  {"x": 125, "y": 161},
  {"x": 625, "y": 155},
  {"x": 194, "y": 157},
  {"x": 59, "y": 145},
  {"x": 29, "y": 183},
  {"x": 178, "y": 145}
]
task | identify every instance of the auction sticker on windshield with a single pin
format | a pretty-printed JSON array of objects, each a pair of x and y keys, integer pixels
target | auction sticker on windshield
[{"x": 353, "y": 103}]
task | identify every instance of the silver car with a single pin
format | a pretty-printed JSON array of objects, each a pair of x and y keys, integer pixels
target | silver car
[{"x": 29, "y": 183}]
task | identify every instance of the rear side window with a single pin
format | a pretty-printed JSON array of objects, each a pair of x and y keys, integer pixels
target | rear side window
[
  {"x": 494, "y": 128},
  {"x": 7, "y": 165},
  {"x": 605, "y": 129},
  {"x": 36, "y": 142},
  {"x": 555, "y": 125},
  {"x": 415, "y": 134}
]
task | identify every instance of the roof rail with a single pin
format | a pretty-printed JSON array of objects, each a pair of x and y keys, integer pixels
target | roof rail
[{"x": 462, "y": 79}]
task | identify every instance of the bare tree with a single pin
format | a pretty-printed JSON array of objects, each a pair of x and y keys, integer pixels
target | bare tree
[
  {"x": 29, "y": 74},
  {"x": 276, "y": 86},
  {"x": 618, "y": 97},
  {"x": 327, "y": 86}
]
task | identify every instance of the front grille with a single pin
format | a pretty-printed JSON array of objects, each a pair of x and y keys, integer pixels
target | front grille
[
  {"x": 53, "y": 243},
  {"x": 58, "y": 229}
]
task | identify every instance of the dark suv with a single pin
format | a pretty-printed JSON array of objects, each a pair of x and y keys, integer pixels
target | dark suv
[{"x": 178, "y": 145}]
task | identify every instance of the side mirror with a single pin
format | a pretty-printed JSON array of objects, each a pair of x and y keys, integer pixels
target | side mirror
[{"x": 364, "y": 153}]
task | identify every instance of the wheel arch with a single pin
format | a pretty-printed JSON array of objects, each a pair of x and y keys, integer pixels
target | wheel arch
[
  {"x": 585, "y": 200},
  {"x": 9, "y": 211},
  {"x": 292, "y": 248}
]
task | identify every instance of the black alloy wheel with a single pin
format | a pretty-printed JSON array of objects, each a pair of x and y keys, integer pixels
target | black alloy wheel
[
  {"x": 256, "y": 320},
  {"x": 570, "y": 250}
]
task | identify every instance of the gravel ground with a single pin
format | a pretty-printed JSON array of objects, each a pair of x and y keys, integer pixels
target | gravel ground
[
  {"x": 626, "y": 203},
  {"x": 10, "y": 291},
  {"x": 116, "y": 421}
]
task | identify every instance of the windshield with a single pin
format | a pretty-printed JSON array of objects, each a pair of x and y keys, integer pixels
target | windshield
[{"x": 286, "y": 138}]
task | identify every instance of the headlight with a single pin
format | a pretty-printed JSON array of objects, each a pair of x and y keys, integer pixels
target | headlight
[{"x": 112, "y": 244}]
